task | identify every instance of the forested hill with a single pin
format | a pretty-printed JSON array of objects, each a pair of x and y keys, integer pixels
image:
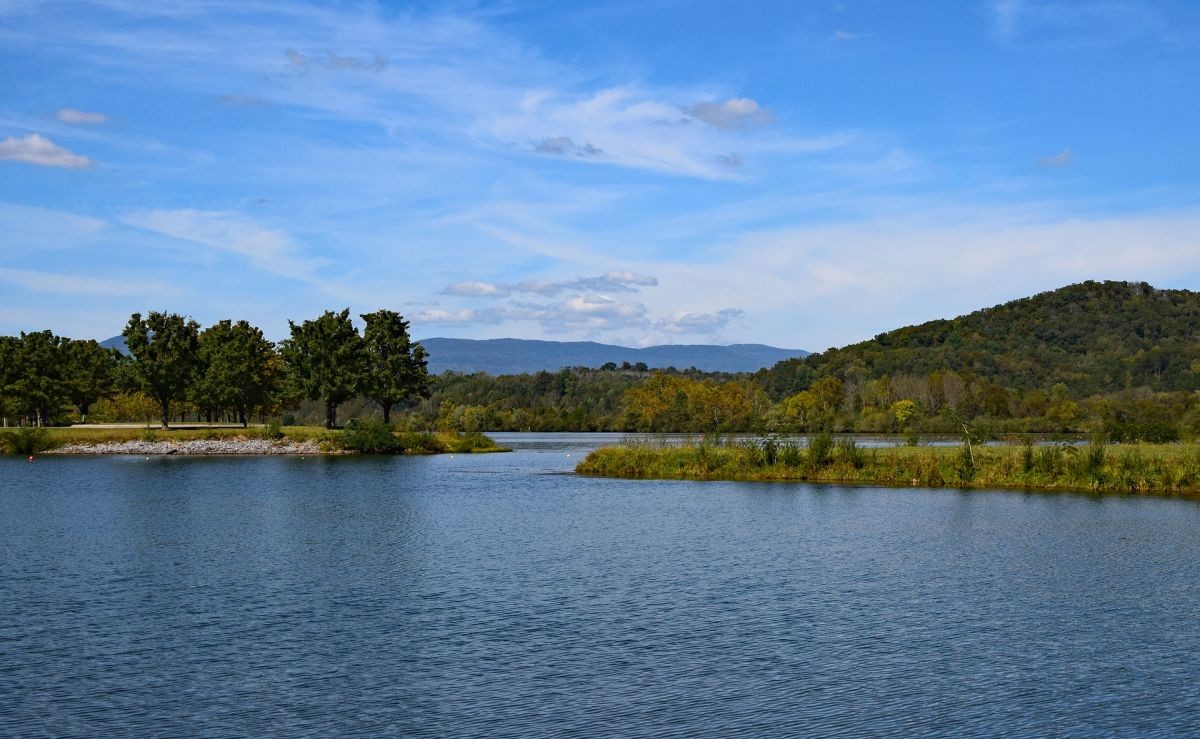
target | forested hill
[{"x": 1093, "y": 337}]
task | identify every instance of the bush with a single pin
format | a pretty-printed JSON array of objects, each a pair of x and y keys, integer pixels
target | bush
[
  {"x": 849, "y": 453},
  {"x": 272, "y": 431},
  {"x": 820, "y": 450},
  {"x": 369, "y": 437},
  {"x": 421, "y": 442},
  {"x": 26, "y": 441},
  {"x": 149, "y": 436}
]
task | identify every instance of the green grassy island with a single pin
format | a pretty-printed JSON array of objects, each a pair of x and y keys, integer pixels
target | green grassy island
[{"x": 1163, "y": 469}]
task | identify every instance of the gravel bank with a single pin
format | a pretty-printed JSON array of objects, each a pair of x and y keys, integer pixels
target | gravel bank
[{"x": 196, "y": 447}]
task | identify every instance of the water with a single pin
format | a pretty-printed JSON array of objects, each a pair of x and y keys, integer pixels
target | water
[{"x": 497, "y": 596}]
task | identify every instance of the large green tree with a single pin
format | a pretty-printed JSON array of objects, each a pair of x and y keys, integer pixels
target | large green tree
[
  {"x": 240, "y": 371},
  {"x": 166, "y": 351},
  {"x": 39, "y": 380},
  {"x": 396, "y": 366},
  {"x": 90, "y": 372},
  {"x": 10, "y": 347},
  {"x": 327, "y": 360}
]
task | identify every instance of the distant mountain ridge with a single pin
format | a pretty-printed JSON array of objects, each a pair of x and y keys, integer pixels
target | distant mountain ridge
[{"x": 519, "y": 356}]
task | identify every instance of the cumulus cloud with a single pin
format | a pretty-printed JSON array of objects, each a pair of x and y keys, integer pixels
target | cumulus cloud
[
  {"x": 687, "y": 322},
  {"x": 563, "y": 145},
  {"x": 1061, "y": 159},
  {"x": 36, "y": 149},
  {"x": 77, "y": 117},
  {"x": 607, "y": 282},
  {"x": 589, "y": 313},
  {"x": 732, "y": 113}
]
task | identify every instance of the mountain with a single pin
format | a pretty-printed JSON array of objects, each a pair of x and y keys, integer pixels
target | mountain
[
  {"x": 1093, "y": 337},
  {"x": 116, "y": 342},
  {"x": 516, "y": 356}
]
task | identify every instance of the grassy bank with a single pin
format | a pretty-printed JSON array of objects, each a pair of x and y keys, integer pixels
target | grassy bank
[
  {"x": 372, "y": 440},
  {"x": 1171, "y": 469}
]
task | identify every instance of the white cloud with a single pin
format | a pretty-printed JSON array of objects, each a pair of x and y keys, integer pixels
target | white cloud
[
  {"x": 1061, "y": 159},
  {"x": 36, "y": 149},
  {"x": 1005, "y": 17},
  {"x": 77, "y": 285},
  {"x": 563, "y": 145},
  {"x": 618, "y": 281},
  {"x": 708, "y": 324},
  {"x": 71, "y": 115},
  {"x": 849, "y": 36},
  {"x": 732, "y": 113},
  {"x": 269, "y": 249}
]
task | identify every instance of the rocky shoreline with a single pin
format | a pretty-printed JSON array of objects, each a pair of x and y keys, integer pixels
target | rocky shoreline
[{"x": 199, "y": 447}]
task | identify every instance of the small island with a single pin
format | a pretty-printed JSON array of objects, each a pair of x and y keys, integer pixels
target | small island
[{"x": 1159, "y": 469}]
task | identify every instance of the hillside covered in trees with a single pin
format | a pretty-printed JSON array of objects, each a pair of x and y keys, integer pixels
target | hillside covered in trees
[{"x": 1093, "y": 337}]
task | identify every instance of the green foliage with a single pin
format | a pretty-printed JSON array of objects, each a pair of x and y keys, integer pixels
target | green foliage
[
  {"x": 166, "y": 352},
  {"x": 240, "y": 370},
  {"x": 327, "y": 360},
  {"x": 369, "y": 437},
  {"x": 395, "y": 366},
  {"x": 26, "y": 441},
  {"x": 820, "y": 450},
  {"x": 90, "y": 373},
  {"x": 272, "y": 431},
  {"x": 149, "y": 436},
  {"x": 849, "y": 452}
]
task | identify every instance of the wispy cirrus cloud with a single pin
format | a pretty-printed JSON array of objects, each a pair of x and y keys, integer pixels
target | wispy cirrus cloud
[
  {"x": 37, "y": 149},
  {"x": 80, "y": 117},
  {"x": 76, "y": 284},
  {"x": 269, "y": 249}
]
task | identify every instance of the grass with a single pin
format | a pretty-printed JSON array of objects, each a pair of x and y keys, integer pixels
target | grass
[
  {"x": 31, "y": 441},
  {"x": 1171, "y": 469}
]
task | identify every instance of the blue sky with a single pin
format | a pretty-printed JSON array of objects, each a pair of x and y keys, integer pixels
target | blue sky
[{"x": 804, "y": 174}]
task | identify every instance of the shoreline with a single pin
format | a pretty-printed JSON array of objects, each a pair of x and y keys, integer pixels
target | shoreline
[{"x": 227, "y": 447}]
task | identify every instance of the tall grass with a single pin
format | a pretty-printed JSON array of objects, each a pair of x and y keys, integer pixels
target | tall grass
[{"x": 1097, "y": 466}]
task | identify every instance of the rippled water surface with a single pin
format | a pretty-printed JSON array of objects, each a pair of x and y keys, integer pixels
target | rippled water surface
[{"x": 497, "y": 596}]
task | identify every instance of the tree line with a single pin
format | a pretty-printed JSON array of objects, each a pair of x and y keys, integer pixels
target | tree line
[{"x": 226, "y": 370}]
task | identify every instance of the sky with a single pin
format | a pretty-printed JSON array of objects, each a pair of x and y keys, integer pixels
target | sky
[{"x": 802, "y": 174}]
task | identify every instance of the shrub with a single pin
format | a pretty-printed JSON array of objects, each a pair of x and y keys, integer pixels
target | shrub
[
  {"x": 369, "y": 437},
  {"x": 26, "y": 440},
  {"x": 272, "y": 431},
  {"x": 149, "y": 436},
  {"x": 421, "y": 442},
  {"x": 820, "y": 450},
  {"x": 848, "y": 452}
]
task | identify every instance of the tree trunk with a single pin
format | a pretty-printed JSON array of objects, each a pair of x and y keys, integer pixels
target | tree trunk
[
  {"x": 242, "y": 417},
  {"x": 387, "y": 412},
  {"x": 330, "y": 414},
  {"x": 166, "y": 413}
]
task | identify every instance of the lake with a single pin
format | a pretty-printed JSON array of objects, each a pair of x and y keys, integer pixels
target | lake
[{"x": 499, "y": 595}]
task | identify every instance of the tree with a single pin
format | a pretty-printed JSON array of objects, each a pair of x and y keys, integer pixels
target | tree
[
  {"x": 327, "y": 360},
  {"x": 239, "y": 368},
  {"x": 38, "y": 385},
  {"x": 166, "y": 351},
  {"x": 91, "y": 372},
  {"x": 396, "y": 366}
]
